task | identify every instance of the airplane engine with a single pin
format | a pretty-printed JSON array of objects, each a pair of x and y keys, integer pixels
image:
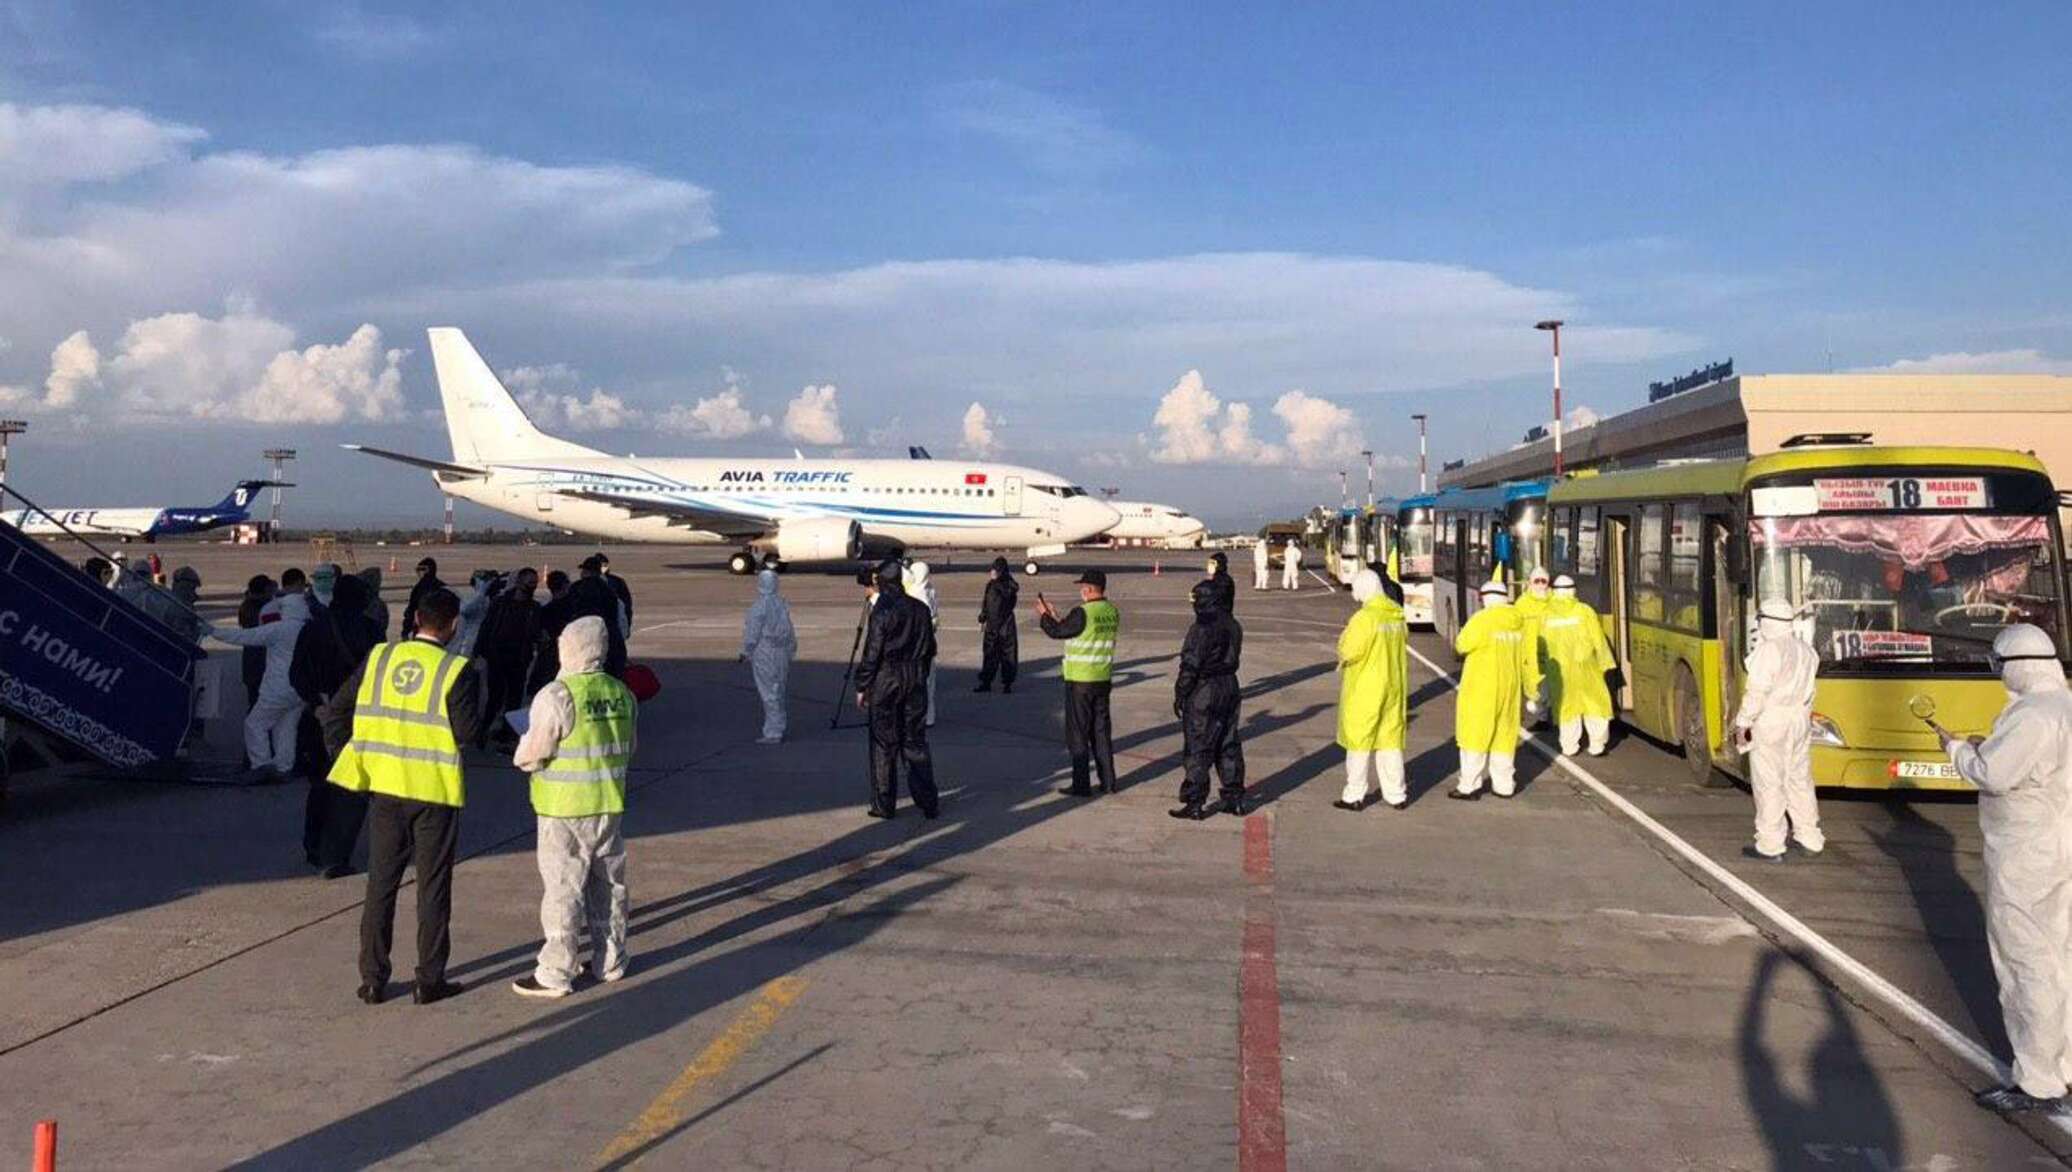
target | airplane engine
[{"x": 819, "y": 539}]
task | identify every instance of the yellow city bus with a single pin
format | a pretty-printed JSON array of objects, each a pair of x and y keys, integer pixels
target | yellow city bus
[{"x": 1902, "y": 562}]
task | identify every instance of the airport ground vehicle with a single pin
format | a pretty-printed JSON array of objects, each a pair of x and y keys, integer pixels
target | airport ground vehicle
[
  {"x": 1904, "y": 562},
  {"x": 1414, "y": 557},
  {"x": 1479, "y": 534}
]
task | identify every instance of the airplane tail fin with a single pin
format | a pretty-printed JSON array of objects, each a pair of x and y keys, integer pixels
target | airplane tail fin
[
  {"x": 485, "y": 423},
  {"x": 241, "y": 497}
]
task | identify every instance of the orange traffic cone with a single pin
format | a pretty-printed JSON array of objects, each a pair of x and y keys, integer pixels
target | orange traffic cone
[{"x": 46, "y": 1157}]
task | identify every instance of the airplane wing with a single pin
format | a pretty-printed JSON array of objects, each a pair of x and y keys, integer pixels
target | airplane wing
[
  {"x": 702, "y": 518},
  {"x": 419, "y": 461}
]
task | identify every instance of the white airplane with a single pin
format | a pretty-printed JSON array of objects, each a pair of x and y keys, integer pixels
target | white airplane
[
  {"x": 145, "y": 522},
  {"x": 1160, "y": 525},
  {"x": 800, "y": 510}
]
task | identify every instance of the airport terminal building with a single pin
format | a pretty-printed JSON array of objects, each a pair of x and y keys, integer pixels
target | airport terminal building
[{"x": 1715, "y": 412}]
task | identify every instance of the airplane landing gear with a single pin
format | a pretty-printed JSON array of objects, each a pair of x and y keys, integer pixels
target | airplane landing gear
[
  {"x": 741, "y": 564},
  {"x": 1031, "y": 569}
]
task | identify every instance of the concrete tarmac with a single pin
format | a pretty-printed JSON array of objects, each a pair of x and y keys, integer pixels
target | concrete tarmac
[{"x": 1030, "y": 980}]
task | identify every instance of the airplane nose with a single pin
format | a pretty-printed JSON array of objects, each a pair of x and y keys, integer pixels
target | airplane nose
[{"x": 1091, "y": 518}]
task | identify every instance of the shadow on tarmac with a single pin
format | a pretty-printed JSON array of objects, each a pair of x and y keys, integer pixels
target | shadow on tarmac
[
  {"x": 1952, "y": 916},
  {"x": 1846, "y": 1112}
]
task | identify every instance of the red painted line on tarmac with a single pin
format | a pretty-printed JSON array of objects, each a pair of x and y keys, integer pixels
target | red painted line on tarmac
[{"x": 1262, "y": 1138}]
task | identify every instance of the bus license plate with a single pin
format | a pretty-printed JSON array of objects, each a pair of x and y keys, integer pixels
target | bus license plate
[{"x": 1926, "y": 770}]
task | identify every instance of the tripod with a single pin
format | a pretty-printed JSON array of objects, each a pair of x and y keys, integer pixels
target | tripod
[{"x": 849, "y": 672}]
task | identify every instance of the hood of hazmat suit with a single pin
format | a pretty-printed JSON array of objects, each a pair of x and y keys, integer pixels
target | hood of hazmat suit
[
  {"x": 920, "y": 584},
  {"x": 584, "y": 644},
  {"x": 1781, "y": 674},
  {"x": 1374, "y": 667},
  {"x": 1497, "y": 670},
  {"x": 1575, "y": 655},
  {"x": 2024, "y": 775}
]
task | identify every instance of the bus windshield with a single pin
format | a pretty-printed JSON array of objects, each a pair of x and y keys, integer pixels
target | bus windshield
[
  {"x": 1909, "y": 590},
  {"x": 1416, "y": 542}
]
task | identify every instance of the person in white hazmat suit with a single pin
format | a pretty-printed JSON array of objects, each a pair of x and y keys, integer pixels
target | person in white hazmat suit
[
  {"x": 2023, "y": 772},
  {"x": 1262, "y": 559},
  {"x": 768, "y": 645},
  {"x": 578, "y": 745},
  {"x": 275, "y": 718},
  {"x": 1291, "y": 566},
  {"x": 918, "y": 585},
  {"x": 1775, "y": 729}
]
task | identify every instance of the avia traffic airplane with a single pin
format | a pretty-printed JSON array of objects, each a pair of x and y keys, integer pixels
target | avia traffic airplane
[
  {"x": 800, "y": 510},
  {"x": 146, "y": 523},
  {"x": 1160, "y": 525}
]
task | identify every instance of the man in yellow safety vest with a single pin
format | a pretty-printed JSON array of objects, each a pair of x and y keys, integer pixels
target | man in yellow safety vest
[
  {"x": 578, "y": 746},
  {"x": 396, "y": 726}
]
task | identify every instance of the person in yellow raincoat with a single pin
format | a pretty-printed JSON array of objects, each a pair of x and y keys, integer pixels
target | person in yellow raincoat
[
  {"x": 1532, "y": 607},
  {"x": 1373, "y": 697},
  {"x": 1575, "y": 655},
  {"x": 1499, "y": 670}
]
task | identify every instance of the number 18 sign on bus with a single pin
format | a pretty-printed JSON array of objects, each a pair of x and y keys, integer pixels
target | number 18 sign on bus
[{"x": 1869, "y": 494}]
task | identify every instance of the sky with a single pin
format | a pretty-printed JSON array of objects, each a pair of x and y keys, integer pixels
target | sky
[{"x": 1144, "y": 246}]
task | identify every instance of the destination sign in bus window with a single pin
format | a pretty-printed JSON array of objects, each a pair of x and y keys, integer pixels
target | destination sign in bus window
[{"x": 1871, "y": 494}]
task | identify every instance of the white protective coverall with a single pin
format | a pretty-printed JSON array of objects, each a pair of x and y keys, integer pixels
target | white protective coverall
[
  {"x": 2024, "y": 775},
  {"x": 918, "y": 585},
  {"x": 582, "y": 860},
  {"x": 1775, "y": 727},
  {"x": 769, "y": 643},
  {"x": 473, "y": 609},
  {"x": 1262, "y": 554},
  {"x": 271, "y": 725},
  {"x": 1291, "y": 566}
]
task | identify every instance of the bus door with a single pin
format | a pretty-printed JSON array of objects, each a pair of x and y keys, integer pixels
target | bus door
[
  {"x": 1466, "y": 563},
  {"x": 1730, "y": 604},
  {"x": 1618, "y": 558}
]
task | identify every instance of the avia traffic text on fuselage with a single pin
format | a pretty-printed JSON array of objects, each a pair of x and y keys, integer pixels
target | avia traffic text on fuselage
[{"x": 799, "y": 510}]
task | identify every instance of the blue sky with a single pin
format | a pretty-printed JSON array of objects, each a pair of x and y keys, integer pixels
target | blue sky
[{"x": 1055, "y": 212}]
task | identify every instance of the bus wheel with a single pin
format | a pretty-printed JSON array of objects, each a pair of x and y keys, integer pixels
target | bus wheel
[{"x": 1690, "y": 731}]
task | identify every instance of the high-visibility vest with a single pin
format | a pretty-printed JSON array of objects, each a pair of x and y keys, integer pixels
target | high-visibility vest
[
  {"x": 587, "y": 774},
  {"x": 1090, "y": 655},
  {"x": 402, "y": 743}
]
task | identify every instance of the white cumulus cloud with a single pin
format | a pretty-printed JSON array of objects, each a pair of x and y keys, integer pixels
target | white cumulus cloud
[
  {"x": 722, "y": 416},
  {"x": 83, "y": 144},
  {"x": 813, "y": 417},
  {"x": 241, "y": 367},
  {"x": 1320, "y": 433},
  {"x": 979, "y": 439},
  {"x": 1195, "y": 427},
  {"x": 553, "y": 399}
]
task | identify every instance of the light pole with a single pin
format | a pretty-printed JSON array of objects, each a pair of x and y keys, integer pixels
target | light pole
[
  {"x": 9, "y": 428},
  {"x": 1554, "y": 327},
  {"x": 280, "y": 458},
  {"x": 448, "y": 530},
  {"x": 1421, "y": 489},
  {"x": 1369, "y": 454},
  {"x": 1345, "y": 495}
]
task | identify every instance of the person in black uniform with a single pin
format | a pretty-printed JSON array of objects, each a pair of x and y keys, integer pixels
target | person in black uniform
[
  {"x": 1000, "y": 646},
  {"x": 892, "y": 688},
  {"x": 1205, "y": 698},
  {"x": 427, "y": 581},
  {"x": 620, "y": 590},
  {"x": 589, "y": 595},
  {"x": 1220, "y": 579}
]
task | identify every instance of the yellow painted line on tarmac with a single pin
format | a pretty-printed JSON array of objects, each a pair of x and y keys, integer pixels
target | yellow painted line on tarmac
[{"x": 667, "y": 1111}]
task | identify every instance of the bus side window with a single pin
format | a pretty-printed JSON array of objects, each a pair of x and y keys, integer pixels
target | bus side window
[
  {"x": 1560, "y": 540},
  {"x": 1588, "y": 563},
  {"x": 1686, "y": 553},
  {"x": 1443, "y": 553},
  {"x": 1648, "y": 569}
]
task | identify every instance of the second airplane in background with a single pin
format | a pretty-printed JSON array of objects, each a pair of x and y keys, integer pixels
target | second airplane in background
[
  {"x": 800, "y": 510},
  {"x": 1159, "y": 526}
]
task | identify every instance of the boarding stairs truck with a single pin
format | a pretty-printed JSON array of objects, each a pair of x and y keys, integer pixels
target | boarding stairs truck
[{"x": 83, "y": 667}]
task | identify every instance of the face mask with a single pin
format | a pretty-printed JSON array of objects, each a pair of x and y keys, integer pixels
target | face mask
[{"x": 1209, "y": 568}]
